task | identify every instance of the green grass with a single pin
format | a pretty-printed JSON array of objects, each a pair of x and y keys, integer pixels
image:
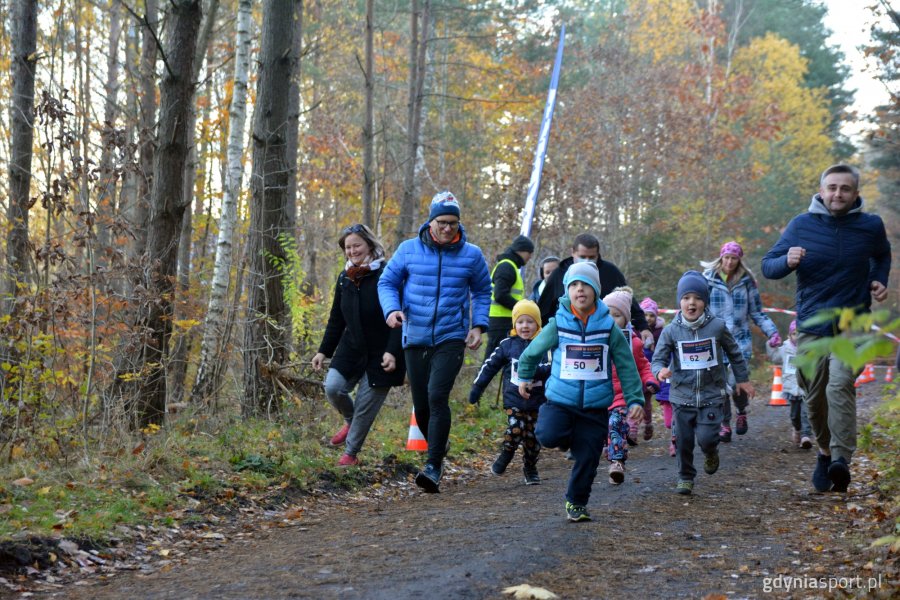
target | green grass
[{"x": 147, "y": 479}]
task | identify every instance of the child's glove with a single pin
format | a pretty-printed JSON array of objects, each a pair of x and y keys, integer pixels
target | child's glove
[
  {"x": 474, "y": 396},
  {"x": 651, "y": 387},
  {"x": 775, "y": 340}
]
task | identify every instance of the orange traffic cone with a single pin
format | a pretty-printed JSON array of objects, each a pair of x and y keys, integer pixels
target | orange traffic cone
[
  {"x": 869, "y": 373},
  {"x": 889, "y": 376},
  {"x": 415, "y": 441},
  {"x": 777, "y": 390}
]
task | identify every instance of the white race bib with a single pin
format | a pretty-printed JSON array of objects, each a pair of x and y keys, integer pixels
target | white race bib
[
  {"x": 697, "y": 354},
  {"x": 788, "y": 365},
  {"x": 584, "y": 362},
  {"x": 514, "y": 371}
]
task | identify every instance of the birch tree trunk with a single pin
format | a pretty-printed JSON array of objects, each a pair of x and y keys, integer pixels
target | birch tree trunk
[
  {"x": 106, "y": 195},
  {"x": 211, "y": 348},
  {"x": 265, "y": 348},
  {"x": 24, "y": 60}
]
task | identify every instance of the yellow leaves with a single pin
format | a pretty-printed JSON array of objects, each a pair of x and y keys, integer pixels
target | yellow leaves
[
  {"x": 44, "y": 490},
  {"x": 17, "y": 452},
  {"x": 150, "y": 429},
  {"x": 662, "y": 31},
  {"x": 185, "y": 324}
]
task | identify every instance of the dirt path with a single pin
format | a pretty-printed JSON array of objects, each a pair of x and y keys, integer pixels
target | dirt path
[{"x": 755, "y": 519}]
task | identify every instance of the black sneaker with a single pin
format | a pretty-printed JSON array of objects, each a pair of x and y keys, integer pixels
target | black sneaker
[
  {"x": 839, "y": 474},
  {"x": 429, "y": 478},
  {"x": 531, "y": 475},
  {"x": 820, "y": 479},
  {"x": 740, "y": 426},
  {"x": 711, "y": 464},
  {"x": 575, "y": 513},
  {"x": 499, "y": 466}
]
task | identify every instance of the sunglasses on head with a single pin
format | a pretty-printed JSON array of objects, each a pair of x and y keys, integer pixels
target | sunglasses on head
[{"x": 358, "y": 228}]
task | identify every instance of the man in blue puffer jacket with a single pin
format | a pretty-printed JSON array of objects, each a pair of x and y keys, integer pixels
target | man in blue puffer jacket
[
  {"x": 842, "y": 258},
  {"x": 426, "y": 288}
]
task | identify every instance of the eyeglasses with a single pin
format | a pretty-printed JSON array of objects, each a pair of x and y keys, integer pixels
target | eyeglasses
[
  {"x": 358, "y": 228},
  {"x": 447, "y": 224}
]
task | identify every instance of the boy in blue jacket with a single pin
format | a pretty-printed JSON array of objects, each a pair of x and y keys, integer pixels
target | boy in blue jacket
[
  {"x": 521, "y": 413},
  {"x": 586, "y": 343}
]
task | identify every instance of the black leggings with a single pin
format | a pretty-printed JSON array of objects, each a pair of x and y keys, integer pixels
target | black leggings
[{"x": 432, "y": 371}]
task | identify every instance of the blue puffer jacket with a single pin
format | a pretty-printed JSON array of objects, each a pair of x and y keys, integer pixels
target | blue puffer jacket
[
  {"x": 434, "y": 282},
  {"x": 567, "y": 328},
  {"x": 844, "y": 255}
]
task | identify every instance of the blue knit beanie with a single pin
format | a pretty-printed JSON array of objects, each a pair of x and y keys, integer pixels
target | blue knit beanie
[
  {"x": 693, "y": 281},
  {"x": 586, "y": 272},
  {"x": 443, "y": 203}
]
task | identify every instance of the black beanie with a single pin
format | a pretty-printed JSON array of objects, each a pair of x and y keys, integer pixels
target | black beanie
[{"x": 522, "y": 244}]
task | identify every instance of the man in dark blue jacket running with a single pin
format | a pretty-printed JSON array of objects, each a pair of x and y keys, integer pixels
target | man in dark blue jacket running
[{"x": 842, "y": 258}]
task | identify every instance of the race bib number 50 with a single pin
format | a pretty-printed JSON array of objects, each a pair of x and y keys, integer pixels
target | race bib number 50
[
  {"x": 585, "y": 362},
  {"x": 697, "y": 354}
]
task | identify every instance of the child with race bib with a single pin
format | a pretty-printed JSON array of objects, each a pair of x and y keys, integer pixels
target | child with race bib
[
  {"x": 784, "y": 355},
  {"x": 694, "y": 343},
  {"x": 586, "y": 344},
  {"x": 521, "y": 413},
  {"x": 657, "y": 324},
  {"x": 621, "y": 429}
]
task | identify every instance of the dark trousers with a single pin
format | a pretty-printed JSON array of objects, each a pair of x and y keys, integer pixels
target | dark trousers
[
  {"x": 690, "y": 423},
  {"x": 520, "y": 432},
  {"x": 432, "y": 371},
  {"x": 584, "y": 433}
]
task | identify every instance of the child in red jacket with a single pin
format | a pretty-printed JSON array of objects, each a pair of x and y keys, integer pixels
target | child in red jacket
[{"x": 619, "y": 303}]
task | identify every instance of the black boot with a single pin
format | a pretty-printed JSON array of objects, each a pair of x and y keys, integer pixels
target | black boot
[
  {"x": 499, "y": 466},
  {"x": 531, "y": 475}
]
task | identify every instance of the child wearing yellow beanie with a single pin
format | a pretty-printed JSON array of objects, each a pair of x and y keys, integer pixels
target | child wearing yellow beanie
[{"x": 521, "y": 413}]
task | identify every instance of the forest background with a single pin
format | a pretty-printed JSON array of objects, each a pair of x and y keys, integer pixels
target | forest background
[{"x": 179, "y": 173}]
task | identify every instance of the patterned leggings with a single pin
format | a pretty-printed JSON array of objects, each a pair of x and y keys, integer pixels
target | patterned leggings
[
  {"x": 618, "y": 432},
  {"x": 520, "y": 430}
]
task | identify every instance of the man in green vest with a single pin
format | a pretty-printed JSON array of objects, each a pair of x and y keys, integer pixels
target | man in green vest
[{"x": 507, "y": 289}]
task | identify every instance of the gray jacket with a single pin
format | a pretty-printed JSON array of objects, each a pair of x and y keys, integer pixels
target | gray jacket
[{"x": 699, "y": 387}]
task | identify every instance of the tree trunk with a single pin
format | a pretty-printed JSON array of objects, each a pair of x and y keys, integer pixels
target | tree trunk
[
  {"x": 369, "y": 124},
  {"x": 293, "y": 145},
  {"x": 211, "y": 348},
  {"x": 418, "y": 47},
  {"x": 24, "y": 59},
  {"x": 178, "y": 362},
  {"x": 106, "y": 194},
  {"x": 166, "y": 211},
  {"x": 146, "y": 144},
  {"x": 265, "y": 349}
]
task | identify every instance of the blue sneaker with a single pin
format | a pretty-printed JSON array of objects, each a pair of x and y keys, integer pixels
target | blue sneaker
[
  {"x": 820, "y": 479},
  {"x": 839, "y": 474},
  {"x": 429, "y": 478}
]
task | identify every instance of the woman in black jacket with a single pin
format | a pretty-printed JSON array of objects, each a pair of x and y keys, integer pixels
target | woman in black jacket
[{"x": 364, "y": 350}]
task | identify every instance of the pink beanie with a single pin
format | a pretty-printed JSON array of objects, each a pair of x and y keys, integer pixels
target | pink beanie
[
  {"x": 649, "y": 306},
  {"x": 732, "y": 248},
  {"x": 792, "y": 327},
  {"x": 620, "y": 298}
]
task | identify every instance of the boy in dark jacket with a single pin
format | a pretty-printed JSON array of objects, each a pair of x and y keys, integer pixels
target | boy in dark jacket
[
  {"x": 694, "y": 343},
  {"x": 521, "y": 413}
]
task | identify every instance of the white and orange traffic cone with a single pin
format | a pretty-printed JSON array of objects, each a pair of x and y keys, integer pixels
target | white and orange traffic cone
[
  {"x": 889, "y": 376},
  {"x": 415, "y": 441},
  {"x": 867, "y": 375},
  {"x": 777, "y": 398}
]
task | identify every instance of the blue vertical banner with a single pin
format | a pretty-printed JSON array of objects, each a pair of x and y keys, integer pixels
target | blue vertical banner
[{"x": 535, "y": 183}]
